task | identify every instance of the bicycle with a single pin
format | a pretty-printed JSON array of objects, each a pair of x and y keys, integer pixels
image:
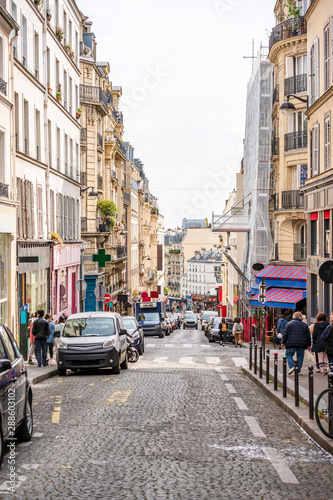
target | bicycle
[{"x": 324, "y": 406}]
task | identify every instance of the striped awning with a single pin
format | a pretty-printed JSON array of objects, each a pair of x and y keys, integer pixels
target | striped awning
[
  {"x": 286, "y": 273},
  {"x": 280, "y": 297}
]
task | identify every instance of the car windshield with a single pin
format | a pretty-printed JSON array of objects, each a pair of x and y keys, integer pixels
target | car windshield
[
  {"x": 149, "y": 317},
  {"x": 190, "y": 316},
  {"x": 89, "y": 327},
  {"x": 206, "y": 317},
  {"x": 129, "y": 323}
]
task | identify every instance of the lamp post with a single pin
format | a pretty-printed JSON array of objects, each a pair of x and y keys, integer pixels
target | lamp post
[
  {"x": 92, "y": 194},
  {"x": 288, "y": 107},
  {"x": 262, "y": 298}
]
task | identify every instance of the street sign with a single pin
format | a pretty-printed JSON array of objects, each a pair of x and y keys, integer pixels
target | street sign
[
  {"x": 25, "y": 307},
  {"x": 144, "y": 295},
  {"x": 81, "y": 286},
  {"x": 99, "y": 291},
  {"x": 107, "y": 298},
  {"x": 326, "y": 271}
]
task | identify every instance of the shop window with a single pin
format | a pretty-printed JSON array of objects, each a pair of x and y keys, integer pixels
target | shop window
[
  {"x": 63, "y": 289},
  {"x": 314, "y": 237},
  {"x": 327, "y": 235},
  {"x": 314, "y": 295}
]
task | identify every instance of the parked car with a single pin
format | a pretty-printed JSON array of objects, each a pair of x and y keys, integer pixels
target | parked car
[
  {"x": 15, "y": 392},
  {"x": 92, "y": 340},
  {"x": 190, "y": 320},
  {"x": 213, "y": 332},
  {"x": 205, "y": 319},
  {"x": 133, "y": 328}
]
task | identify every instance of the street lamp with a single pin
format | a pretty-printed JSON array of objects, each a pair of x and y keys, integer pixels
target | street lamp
[
  {"x": 288, "y": 107},
  {"x": 146, "y": 257},
  {"x": 92, "y": 194}
]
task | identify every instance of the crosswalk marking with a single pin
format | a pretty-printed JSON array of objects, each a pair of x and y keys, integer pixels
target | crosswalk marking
[
  {"x": 213, "y": 360},
  {"x": 186, "y": 360},
  {"x": 240, "y": 361},
  {"x": 188, "y": 345},
  {"x": 150, "y": 345},
  {"x": 224, "y": 377}
]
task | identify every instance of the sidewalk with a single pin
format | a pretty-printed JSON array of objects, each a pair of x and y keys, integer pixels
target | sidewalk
[
  {"x": 301, "y": 413},
  {"x": 37, "y": 374}
]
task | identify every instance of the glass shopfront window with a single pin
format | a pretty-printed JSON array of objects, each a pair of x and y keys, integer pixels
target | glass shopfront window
[
  {"x": 63, "y": 293},
  {"x": 36, "y": 290},
  {"x": 3, "y": 280}
]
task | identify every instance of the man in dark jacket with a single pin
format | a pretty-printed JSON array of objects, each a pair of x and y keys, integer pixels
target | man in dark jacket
[
  {"x": 41, "y": 331},
  {"x": 296, "y": 338}
]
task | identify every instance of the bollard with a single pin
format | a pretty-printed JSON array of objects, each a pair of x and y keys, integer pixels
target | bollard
[
  {"x": 275, "y": 371},
  {"x": 260, "y": 362},
  {"x": 250, "y": 359},
  {"x": 310, "y": 392},
  {"x": 255, "y": 358},
  {"x": 296, "y": 384},
  {"x": 284, "y": 376},
  {"x": 267, "y": 366}
]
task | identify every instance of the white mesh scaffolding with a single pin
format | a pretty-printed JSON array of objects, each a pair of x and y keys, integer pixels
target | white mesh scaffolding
[{"x": 257, "y": 166}]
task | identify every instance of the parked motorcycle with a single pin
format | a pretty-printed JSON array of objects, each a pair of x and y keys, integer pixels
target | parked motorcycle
[{"x": 132, "y": 353}]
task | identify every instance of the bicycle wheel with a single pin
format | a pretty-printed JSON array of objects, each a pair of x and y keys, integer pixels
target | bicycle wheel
[{"x": 324, "y": 412}]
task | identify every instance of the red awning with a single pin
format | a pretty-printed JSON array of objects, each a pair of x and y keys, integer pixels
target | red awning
[{"x": 198, "y": 297}]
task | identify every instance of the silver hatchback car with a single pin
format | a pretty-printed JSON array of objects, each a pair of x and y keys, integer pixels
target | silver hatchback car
[{"x": 92, "y": 340}]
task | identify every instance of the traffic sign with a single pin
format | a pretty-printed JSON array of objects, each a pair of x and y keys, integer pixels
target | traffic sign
[
  {"x": 81, "y": 286},
  {"x": 326, "y": 271},
  {"x": 144, "y": 295},
  {"x": 107, "y": 298},
  {"x": 99, "y": 291}
]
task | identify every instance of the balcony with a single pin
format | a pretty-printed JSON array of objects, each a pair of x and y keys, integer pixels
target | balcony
[
  {"x": 4, "y": 191},
  {"x": 100, "y": 182},
  {"x": 121, "y": 252},
  {"x": 287, "y": 29},
  {"x": 94, "y": 94},
  {"x": 3, "y": 87},
  {"x": 299, "y": 252},
  {"x": 83, "y": 135},
  {"x": 275, "y": 146},
  {"x": 295, "y": 84},
  {"x": 276, "y": 94},
  {"x": 84, "y": 224},
  {"x": 99, "y": 140},
  {"x": 127, "y": 198},
  {"x": 121, "y": 147},
  {"x": 113, "y": 174},
  {"x": 292, "y": 199},
  {"x": 296, "y": 140}
]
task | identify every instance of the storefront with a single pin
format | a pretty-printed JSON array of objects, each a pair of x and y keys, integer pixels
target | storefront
[
  {"x": 66, "y": 261},
  {"x": 4, "y": 259}
]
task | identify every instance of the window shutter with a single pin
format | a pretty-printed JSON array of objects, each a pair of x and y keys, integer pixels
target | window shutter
[
  {"x": 24, "y": 210},
  {"x": 40, "y": 211},
  {"x": 311, "y": 152},
  {"x": 32, "y": 210},
  {"x": 316, "y": 68},
  {"x": 327, "y": 57},
  {"x": 309, "y": 75},
  {"x": 58, "y": 214},
  {"x": 65, "y": 217},
  {"x": 316, "y": 150},
  {"x": 332, "y": 42},
  {"x": 19, "y": 208},
  {"x": 327, "y": 143},
  {"x": 289, "y": 67}
]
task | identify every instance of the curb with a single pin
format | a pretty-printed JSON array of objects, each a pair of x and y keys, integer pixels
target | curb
[
  {"x": 43, "y": 376},
  {"x": 299, "y": 414}
]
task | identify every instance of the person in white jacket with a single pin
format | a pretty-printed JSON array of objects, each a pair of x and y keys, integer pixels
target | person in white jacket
[{"x": 237, "y": 331}]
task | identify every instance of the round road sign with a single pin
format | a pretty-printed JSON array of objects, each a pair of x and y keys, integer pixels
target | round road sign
[{"x": 107, "y": 298}]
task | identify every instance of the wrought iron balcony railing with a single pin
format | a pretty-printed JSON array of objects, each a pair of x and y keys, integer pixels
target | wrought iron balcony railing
[
  {"x": 292, "y": 199},
  {"x": 3, "y": 87},
  {"x": 127, "y": 198},
  {"x": 295, "y": 84},
  {"x": 93, "y": 94},
  {"x": 299, "y": 252},
  {"x": 121, "y": 147},
  {"x": 4, "y": 190},
  {"x": 121, "y": 252},
  {"x": 296, "y": 140},
  {"x": 287, "y": 29},
  {"x": 275, "y": 146}
]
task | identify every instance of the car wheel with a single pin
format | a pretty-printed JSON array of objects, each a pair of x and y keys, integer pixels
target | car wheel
[
  {"x": 161, "y": 335},
  {"x": 62, "y": 372},
  {"x": 140, "y": 350},
  {"x": 26, "y": 429},
  {"x": 210, "y": 340},
  {"x": 116, "y": 369},
  {"x": 1, "y": 446},
  {"x": 124, "y": 364},
  {"x": 183, "y": 327}
]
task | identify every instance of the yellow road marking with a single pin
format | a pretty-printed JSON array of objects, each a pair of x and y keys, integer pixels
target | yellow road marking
[
  {"x": 35, "y": 403},
  {"x": 65, "y": 467},
  {"x": 105, "y": 379},
  {"x": 55, "y": 419},
  {"x": 78, "y": 396},
  {"x": 119, "y": 397},
  {"x": 91, "y": 384}
]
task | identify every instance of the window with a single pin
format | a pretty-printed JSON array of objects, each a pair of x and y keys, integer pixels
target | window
[
  {"x": 303, "y": 5},
  {"x": 65, "y": 90},
  {"x": 14, "y": 16},
  {"x": 326, "y": 57},
  {"x": 38, "y": 149},
  {"x": 36, "y": 55},
  {"x": 314, "y": 236},
  {"x": 327, "y": 143},
  {"x": 57, "y": 74},
  {"x": 327, "y": 234},
  {"x": 314, "y": 295},
  {"x": 17, "y": 120},
  {"x": 315, "y": 150},
  {"x": 24, "y": 41},
  {"x": 48, "y": 66},
  {"x": 66, "y": 154},
  {"x": 52, "y": 224},
  {"x": 40, "y": 211},
  {"x": 70, "y": 95},
  {"x": 26, "y": 126},
  {"x": 49, "y": 140}
]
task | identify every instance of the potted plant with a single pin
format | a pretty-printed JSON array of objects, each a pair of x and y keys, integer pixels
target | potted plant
[
  {"x": 48, "y": 15},
  {"x": 68, "y": 48},
  {"x": 59, "y": 33},
  {"x": 72, "y": 54},
  {"x": 294, "y": 15},
  {"x": 78, "y": 113},
  {"x": 108, "y": 211},
  {"x": 49, "y": 88},
  {"x": 58, "y": 94},
  {"x": 38, "y": 2}
]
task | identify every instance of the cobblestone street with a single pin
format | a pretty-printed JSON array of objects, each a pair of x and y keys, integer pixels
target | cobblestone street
[{"x": 182, "y": 423}]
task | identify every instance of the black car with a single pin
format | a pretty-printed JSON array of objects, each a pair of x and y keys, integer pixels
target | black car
[
  {"x": 213, "y": 332},
  {"x": 133, "y": 328},
  {"x": 15, "y": 392},
  {"x": 190, "y": 321}
]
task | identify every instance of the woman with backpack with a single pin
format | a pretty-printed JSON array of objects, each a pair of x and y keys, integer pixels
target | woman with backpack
[
  {"x": 237, "y": 330},
  {"x": 327, "y": 336},
  {"x": 223, "y": 331}
]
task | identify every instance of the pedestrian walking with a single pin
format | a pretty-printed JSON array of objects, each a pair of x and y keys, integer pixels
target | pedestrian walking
[
  {"x": 32, "y": 346},
  {"x": 318, "y": 344},
  {"x": 327, "y": 336},
  {"x": 296, "y": 338},
  {"x": 223, "y": 331},
  {"x": 50, "y": 340},
  {"x": 237, "y": 330},
  {"x": 41, "y": 331},
  {"x": 280, "y": 327},
  {"x": 58, "y": 330}
]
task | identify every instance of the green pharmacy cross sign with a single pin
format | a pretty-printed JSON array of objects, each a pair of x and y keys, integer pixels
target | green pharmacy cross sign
[{"x": 101, "y": 257}]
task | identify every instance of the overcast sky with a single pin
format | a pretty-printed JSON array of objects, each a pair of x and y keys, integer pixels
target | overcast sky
[{"x": 181, "y": 68}]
